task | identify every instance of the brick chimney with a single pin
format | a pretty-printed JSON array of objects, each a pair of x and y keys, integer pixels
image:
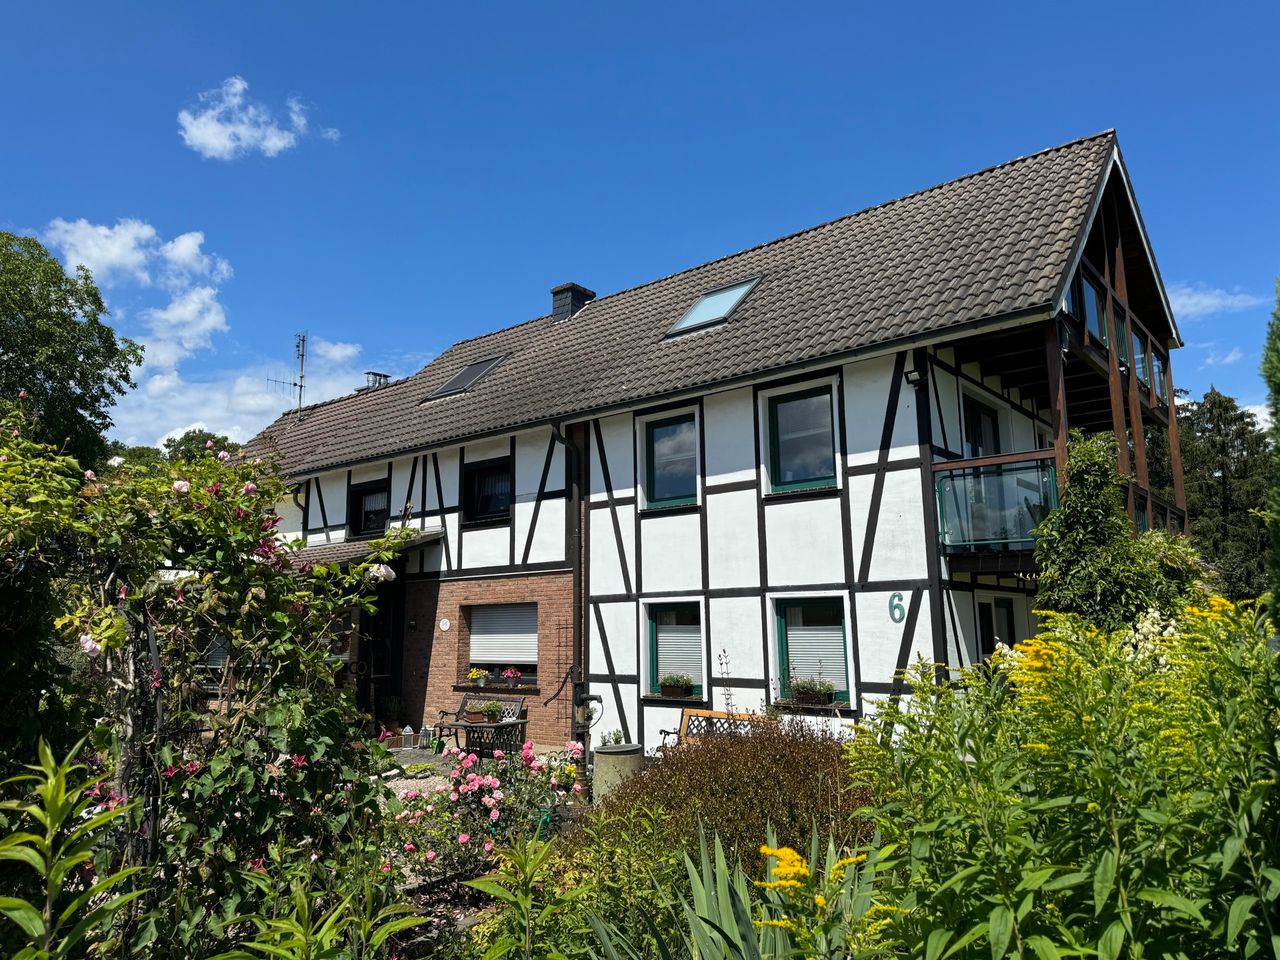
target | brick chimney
[{"x": 568, "y": 298}]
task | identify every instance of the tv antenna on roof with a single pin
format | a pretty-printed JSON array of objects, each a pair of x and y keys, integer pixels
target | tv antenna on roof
[{"x": 300, "y": 348}]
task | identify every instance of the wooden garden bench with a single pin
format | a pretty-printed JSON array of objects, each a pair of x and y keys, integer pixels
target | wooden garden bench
[
  {"x": 507, "y": 734},
  {"x": 696, "y": 724}
]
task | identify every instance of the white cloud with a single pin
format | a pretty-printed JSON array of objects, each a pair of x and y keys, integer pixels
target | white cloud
[
  {"x": 112, "y": 254},
  {"x": 1263, "y": 414},
  {"x": 1191, "y": 301},
  {"x": 133, "y": 252},
  {"x": 184, "y": 257},
  {"x": 237, "y": 402},
  {"x": 227, "y": 124},
  {"x": 332, "y": 134},
  {"x": 177, "y": 314},
  {"x": 1234, "y": 355},
  {"x": 334, "y": 352},
  {"x": 187, "y": 324}
]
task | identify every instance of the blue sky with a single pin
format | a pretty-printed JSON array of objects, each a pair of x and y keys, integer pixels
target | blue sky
[{"x": 393, "y": 177}]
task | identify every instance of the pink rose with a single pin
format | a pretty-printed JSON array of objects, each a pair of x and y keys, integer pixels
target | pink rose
[
  {"x": 577, "y": 788},
  {"x": 22, "y": 394},
  {"x": 454, "y": 795},
  {"x": 250, "y": 488},
  {"x": 90, "y": 475},
  {"x": 208, "y": 444},
  {"x": 463, "y": 838},
  {"x": 410, "y": 848},
  {"x": 431, "y": 855},
  {"x": 90, "y": 646},
  {"x": 385, "y": 868},
  {"x": 498, "y": 754},
  {"x": 224, "y": 456},
  {"x": 493, "y": 814},
  {"x": 488, "y": 846},
  {"x": 181, "y": 486}
]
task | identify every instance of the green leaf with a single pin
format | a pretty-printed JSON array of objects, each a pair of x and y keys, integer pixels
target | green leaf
[
  {"x": 1104, "y": 880},
  {"x": 1238, "y": 915},
  {"x": 1111, "y": 941},
  {"x": 1000, "y": 929},
  {"x": 1043, "y": 947},
  {"x": 937, "y": 941},
  {"x": 493, "y": 888},
  {"x": 1171, "y": 901},
  {"x": 1036, "y": 879},
  {"x": 24, "y": 915}
]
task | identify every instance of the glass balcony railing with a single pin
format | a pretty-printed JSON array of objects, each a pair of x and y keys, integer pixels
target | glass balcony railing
[{"x": 994, "y": 507}]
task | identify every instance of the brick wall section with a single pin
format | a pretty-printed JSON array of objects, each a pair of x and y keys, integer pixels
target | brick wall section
[{"x": 436, "y": 662}]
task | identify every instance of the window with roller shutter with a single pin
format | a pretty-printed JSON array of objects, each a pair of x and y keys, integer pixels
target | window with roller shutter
[
  {"x": 811, "y": 644},
  {"x": 675, "y": 643},
  {"x": 505, "y": 635}
]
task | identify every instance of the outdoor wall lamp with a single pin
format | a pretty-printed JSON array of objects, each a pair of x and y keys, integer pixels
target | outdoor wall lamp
[{"x": 914, "y": 376}]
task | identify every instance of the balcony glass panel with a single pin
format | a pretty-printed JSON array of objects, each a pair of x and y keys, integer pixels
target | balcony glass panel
[{"x": 994, "y": 508}]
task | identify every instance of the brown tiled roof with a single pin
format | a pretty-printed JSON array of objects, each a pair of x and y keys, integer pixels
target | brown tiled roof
[
  {"x": 349, "y": 550},
  {"x": 988, "y": 245}
]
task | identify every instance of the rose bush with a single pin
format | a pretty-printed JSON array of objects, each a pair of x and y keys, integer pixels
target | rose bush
[{"x": 452, "y": 829}]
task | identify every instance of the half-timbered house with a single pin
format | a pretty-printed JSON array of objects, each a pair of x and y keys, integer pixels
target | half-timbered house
[{"x": 824, "y": 456}]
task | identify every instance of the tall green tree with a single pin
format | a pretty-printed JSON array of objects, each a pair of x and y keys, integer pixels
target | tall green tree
[
  {"x": 194, "y": 444},
  {"x": 1271, "y": 373},
  {"x": 55, "y": 346},
  {"x": 1226, "y": 462},
  {"x": 1092, "y": 563}
]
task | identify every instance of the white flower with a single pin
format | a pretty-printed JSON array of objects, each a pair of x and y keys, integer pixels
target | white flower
[
  {"x": 116, "y": 462},
  {"x": 181, "y": 486},
  {"x": 380, "y": 573},
  {"x": 90, "y": 646}
]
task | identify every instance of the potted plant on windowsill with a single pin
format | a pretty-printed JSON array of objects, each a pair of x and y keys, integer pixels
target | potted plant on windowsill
[
  {"x": 813, "y": 692},
  {"x": 676, "y": 685},
  {"x": 512, "y": 676},
  {"x": 477, "y": 676}
]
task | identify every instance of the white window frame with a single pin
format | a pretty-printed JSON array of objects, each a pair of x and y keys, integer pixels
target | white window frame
[
  {"x": 775, "y": 678},
  {"x": 642, "y": 422},
  {"x": 505, "y": 660},
  {"x": 647, "y": 664},
  {"x": 832, "y": 383}
]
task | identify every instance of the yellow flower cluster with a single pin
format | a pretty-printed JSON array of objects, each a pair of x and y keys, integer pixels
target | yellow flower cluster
[
  {"x": 844, "y": 862},
  {"x": 1217, "y": 609},
  {"x": 789, "y": 872}
]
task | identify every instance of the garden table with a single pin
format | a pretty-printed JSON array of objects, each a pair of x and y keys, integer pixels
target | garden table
[{"x": 484, "y": 737}]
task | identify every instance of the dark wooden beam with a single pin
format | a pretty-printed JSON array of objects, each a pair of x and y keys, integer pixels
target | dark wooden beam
[{"x": 1054, "y": 363}]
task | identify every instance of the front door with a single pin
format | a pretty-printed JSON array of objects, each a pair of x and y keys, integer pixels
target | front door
[{"x": 381, "y": 650}]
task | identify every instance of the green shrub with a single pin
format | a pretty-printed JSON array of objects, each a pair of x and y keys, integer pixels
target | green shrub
[
  {"x": 1110, "y": 792},
  {"x": 787, "y": 776},
  {"x": 1090, "y": 561}
]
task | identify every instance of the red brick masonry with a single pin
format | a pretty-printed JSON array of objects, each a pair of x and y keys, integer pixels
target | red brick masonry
[{"x": 436, "y": 661}]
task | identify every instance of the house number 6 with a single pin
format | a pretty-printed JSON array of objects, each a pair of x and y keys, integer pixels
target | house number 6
[{"x": 896, "y": 611}]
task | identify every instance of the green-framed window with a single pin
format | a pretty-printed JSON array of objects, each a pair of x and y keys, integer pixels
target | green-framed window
[
  {"x": 1095, "y": 311},
  {"x": 671, "y": 462},
  {"x": 802, "y": 454},
  {"x": 811, "y": 644},
  {"x": 675, "y": 643},
  {"x": 1122, "y": 333}
]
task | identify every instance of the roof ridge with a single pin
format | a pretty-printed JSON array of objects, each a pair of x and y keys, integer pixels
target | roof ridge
[{"x": 1110, "y": 131}]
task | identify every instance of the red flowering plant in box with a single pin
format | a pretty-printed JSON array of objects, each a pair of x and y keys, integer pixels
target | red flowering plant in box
[{"x": 452, "y": 828}]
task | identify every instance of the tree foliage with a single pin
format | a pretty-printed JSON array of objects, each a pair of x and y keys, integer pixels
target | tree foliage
[
  {"x": 55, "y": 346},
  {"x": 205, "y": 648},
  {"x": 1091, "y": 563},
  {"x": 1225, "y": 466},
  {"x": 1271, "y": 374}
]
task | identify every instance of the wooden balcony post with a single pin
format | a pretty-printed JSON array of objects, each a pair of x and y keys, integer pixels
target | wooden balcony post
[{"x": 1055, "y": 360}]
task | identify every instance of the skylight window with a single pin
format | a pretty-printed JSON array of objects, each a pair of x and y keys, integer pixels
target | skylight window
[
  {"x": 466, "y": 378},
  {"x": 714, "y": 306}
]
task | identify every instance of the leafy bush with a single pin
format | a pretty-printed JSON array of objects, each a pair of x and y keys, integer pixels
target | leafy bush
[
  {"x": 453, "y": 829},
  {"x": 64, "y": 844},
  {"x": 1090, "y": 561},
  {"x": 787, "y": 776},
  {"x": 1095, "y": 790}
]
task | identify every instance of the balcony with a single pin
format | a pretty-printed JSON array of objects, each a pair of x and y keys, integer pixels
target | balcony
[{"x": 992, "y": 504}]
